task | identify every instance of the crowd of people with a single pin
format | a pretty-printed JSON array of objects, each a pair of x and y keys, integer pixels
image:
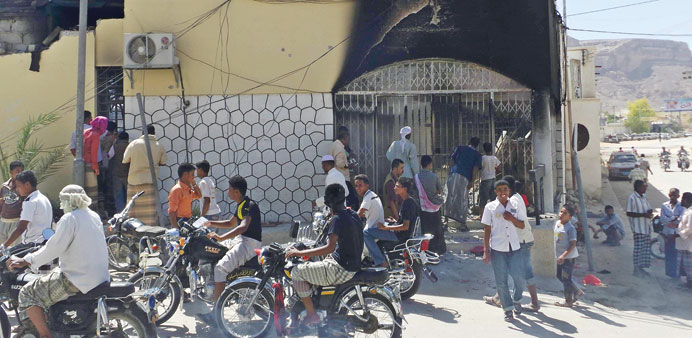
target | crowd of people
[{"x": 412, "y": 195}]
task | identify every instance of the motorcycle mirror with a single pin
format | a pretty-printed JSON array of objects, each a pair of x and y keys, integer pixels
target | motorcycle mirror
[
  {"x": 48, "y": 233},
  {"x": 294, "y": 229}
]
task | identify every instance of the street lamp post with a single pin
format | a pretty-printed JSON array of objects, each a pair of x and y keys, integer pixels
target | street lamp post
[{"x": 78, "y": 165}]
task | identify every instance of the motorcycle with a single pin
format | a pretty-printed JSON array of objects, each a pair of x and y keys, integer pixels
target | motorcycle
[
  {"x": 108, "y": 309},
  {"x": 665, "y": 162},
  {"x": 191, "y": 264},
  {"x": 364, "y": 305},
  {"x": 128, "y": 237},
  {"x": 683, "y": 162},
  {"x": 407, "y": 262}
]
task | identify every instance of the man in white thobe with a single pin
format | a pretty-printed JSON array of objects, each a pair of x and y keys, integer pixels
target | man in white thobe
[
  {"x": 405, "y": 150},
  {"x": 80, "y": 244}
]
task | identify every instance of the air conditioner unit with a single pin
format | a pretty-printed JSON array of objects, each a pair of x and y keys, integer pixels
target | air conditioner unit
[{"x": 150, "y": 50}]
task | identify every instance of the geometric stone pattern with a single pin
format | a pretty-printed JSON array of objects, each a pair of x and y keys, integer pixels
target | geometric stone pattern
[{"x": 274, "y": 141}]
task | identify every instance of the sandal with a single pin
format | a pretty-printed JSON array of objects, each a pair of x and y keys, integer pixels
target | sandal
[
  {"x": 565, "y": 304},
  {"x": 491, "y": 301},
  {"x": 533, "y": 308}
]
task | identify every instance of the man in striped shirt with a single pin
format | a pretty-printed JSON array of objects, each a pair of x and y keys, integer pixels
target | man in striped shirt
[
  {"x": 639, "y": 212},
  {"x": 637, "y": 174}
]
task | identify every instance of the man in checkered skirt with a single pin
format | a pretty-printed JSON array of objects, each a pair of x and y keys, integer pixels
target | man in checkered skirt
[
  {"x": 344, "y": 249},
  {"x": 640, "y": 213}
]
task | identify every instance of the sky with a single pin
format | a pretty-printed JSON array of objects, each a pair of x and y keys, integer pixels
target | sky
[{"x": 660, "y": 17}]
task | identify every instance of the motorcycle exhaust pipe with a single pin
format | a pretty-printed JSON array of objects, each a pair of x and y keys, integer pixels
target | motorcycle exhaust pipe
[{"x": 430, "y": 274}]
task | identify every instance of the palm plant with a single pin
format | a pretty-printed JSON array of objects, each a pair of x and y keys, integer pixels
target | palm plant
[{"x": 43, "y": 161}]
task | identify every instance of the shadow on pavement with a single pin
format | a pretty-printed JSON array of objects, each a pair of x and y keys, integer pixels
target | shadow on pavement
[
  {"x": 430, "y": 310},
  {"x": 535, "y": 326}
]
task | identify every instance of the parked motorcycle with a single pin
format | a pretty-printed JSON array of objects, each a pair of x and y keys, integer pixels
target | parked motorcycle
[
  {"x": 109, "y": 309},
  {"x": 361, "y": 306},
  {"x": 128, "y": 234},
  {"x": 191, "y": 264},
  {"x": 407, "y": 262}
]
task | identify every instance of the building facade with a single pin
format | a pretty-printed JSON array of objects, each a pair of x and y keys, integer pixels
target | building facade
[{"x": 260, "y": 87}]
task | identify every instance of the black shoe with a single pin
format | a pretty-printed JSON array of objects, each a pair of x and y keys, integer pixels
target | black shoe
[
  {"x": 464, "y": 228},
  {"x": 207, "y": 318},
  {"x": 518, "y": 309},
  {"x": 508, "y": 316}
]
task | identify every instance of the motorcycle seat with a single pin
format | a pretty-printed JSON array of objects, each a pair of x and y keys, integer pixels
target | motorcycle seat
[
  {"x": 387, "y": 245},
  {"x": 376, "y": 275},
  {"x": 150, "y": 230},
  {"x": 252, "y": 263},
  {"x": 108, "y": 289}
]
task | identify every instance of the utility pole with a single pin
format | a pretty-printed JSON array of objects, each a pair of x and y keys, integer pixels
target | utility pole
[{"x": 78, "y": 165}]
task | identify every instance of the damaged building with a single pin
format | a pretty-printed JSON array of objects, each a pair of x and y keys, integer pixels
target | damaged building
[{"x": 258, "y": 88}]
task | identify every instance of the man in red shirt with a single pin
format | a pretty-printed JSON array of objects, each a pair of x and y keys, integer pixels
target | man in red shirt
[{"x": 182, "y": 194}]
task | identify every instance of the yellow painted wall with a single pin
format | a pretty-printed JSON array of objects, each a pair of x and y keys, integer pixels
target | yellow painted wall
[
  {"x": 24, "y": 93},
  {"x": 109, "y": 43},
  {"x": 266, "y": 40}
]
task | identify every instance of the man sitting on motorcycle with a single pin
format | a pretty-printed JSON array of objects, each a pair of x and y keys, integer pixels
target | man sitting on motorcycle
[
  {"x": 80, "y": 244},
  {"x": 396, "y": 231},
  {"x": 241, "y": 241},
  {"x": 665, "y": 152},
  {"x": 344, "y": 247},
  {"x": 682, "y": 151}
]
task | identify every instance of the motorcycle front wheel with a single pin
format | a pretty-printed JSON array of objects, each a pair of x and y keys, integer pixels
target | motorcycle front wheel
[
  {"x": 169, "y": 299},
  {"x": 388, "y": 323},
  {"x": 237, "y": 318},
  {"x": 658, "y": 247},
  {"x": 120, "y": 254}
]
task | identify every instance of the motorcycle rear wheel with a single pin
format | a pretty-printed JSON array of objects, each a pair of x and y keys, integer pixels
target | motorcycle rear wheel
[
  {"x": 380, "y": 307},
  {"x": 230, "y": 321},
  {"x": 4, "y": 324},
  {"x": 410, "y": 289},
  {"x": 134, "y": 327},
  {"x": 119, "y": 253}
]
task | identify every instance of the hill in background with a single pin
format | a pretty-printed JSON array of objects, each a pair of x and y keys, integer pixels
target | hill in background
[{"x": 635, "y": 68}]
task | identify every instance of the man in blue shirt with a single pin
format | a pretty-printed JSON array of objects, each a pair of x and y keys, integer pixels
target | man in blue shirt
[
  {"x": 466, "y": 160},
  {"x": 612, "y": 226},
  {"x": 671, "y": 214}
]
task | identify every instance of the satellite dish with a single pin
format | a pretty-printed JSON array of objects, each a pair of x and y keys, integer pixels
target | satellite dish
[{"x": 580, "y": 137}]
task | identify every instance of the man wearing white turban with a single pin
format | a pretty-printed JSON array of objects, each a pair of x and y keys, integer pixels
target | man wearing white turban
[
  {"x": 80, "y": 244},
  {"x": 405, "y": 150}
]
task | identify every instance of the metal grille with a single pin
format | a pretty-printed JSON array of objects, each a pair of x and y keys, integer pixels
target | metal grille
[
  {"x": 437, "y": 76},
  {"x": 444, "y": 101},
  {"x": 109, "y": 98}
]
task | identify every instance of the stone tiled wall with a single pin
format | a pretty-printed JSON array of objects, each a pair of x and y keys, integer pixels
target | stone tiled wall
[{"x": 274, "y": 141}]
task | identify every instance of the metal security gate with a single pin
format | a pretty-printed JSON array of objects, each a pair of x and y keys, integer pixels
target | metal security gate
[{"x": 445, "y": 102}]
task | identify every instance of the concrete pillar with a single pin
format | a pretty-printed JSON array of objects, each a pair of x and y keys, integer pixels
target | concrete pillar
[
  {"x": 543, "y": 144},
  {"x": 543, "y": 252}
]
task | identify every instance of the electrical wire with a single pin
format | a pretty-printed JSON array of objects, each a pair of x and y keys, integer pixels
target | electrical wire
[
  {"x": 612, "y": 8},
  {"x": 628, "y": 33}
]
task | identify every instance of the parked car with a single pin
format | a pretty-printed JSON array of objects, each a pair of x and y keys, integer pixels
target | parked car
[
  {"x": 620, "y": 164},
  {"x": 611, "y": 139},
  {"x": 638, "y": 137},
  {"x": 624, "y": 137},
  {"x": 688, "y": 133}
]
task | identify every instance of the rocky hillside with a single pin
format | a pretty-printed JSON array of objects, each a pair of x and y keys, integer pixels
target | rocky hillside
[{"x": 634, "y": 68}]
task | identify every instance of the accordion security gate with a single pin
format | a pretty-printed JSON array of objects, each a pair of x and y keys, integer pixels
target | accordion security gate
[{"x": 445, "y": 102}]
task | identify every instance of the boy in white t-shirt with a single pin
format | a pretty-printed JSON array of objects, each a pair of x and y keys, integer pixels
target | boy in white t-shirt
[
  {"x": 210, "y": 209},
  {"x": 489, "y": 164}
]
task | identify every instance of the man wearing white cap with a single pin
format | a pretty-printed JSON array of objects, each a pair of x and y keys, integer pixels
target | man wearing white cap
[
  {"x": 333, "y": 176},
  {"x": 405, "y": 150}
]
